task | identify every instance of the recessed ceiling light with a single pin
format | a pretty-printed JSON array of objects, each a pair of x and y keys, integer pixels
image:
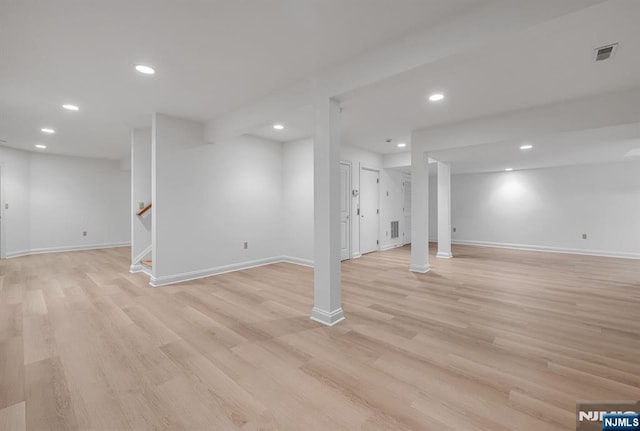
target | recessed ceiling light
[
  {"x": 509, "y": 169},
  {"x": 436, "y": 97},
  {"x": 526, "y": 147},
  {"x": 147, "y": 70},
  {"x": 278, "y": 126},
  {"x": 47, "y": 130},
  {"x": 70, "y": 107},
  {"x": 402, "y": 145},
  {"x": 41, "y": 146}
]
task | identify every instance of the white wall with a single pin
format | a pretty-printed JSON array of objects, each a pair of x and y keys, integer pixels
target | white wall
[
  {"x": 552, "y": 208},
  {"x": 298, "y": 198},
  {"x": 297, "y": 187},
  {"x": 70, "y": 195},
  {"x": 140, "y": 192},
  {"x": 391, "y": 204},
  {"x": 208, "y": 199},
  {"x": 53, "y": 199},
  {"x": 16, "y": 194}
]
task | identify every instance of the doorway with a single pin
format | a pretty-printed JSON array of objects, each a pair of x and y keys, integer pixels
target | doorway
[
  {"x": 369, "y": 209},
  {"x": 345, "y": 210}
]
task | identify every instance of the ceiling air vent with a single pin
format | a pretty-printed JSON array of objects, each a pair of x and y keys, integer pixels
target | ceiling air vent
[{"x": 605, "y": 52}]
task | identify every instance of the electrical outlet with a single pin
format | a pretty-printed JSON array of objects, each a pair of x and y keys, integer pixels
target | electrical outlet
[
  {"x": 84, "y": 233},
  {"x": 584, "y": 236},
  {"x": 454, "y": 229},
  {"x": 246, "y": 245},
  {"x": 6, "y": 206}
]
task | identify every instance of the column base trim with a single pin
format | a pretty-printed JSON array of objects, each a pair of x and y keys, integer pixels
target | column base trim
[
  {"x": 422, "y": 269},
  {"x": 327, "y": 318},
  {"x": 444, "y": 255}
]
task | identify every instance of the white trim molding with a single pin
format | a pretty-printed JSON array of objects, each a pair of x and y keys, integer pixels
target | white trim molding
[
  {"x": 327, "y": 318},
  {"x": 391, "y": 246},
  {"x": 145, "y": 252},
  {"x": 208, "y": 272},
  {"x": 421, "y": 269},
  {"x": 297, "y": 261},
  {"x": 444, "y": 255},
  {"x": 599, "y": 253},
  {"x": 66, "y": 249},
  {"x": 19, "y": 253}
]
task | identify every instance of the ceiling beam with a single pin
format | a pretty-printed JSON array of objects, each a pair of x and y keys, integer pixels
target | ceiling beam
[{"x": 604, "y": 110}]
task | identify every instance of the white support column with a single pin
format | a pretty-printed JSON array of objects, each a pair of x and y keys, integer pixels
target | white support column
[
  {"x": 327, "y": 305},
  {"x": 419, "y": 212},
  {"x": 444, "y": 211}
]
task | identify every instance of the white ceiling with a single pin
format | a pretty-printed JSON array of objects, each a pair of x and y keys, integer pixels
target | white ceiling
[
  {"x": 210, "y": 56},
  {"x": 297, "y": 124},
  {"x": 545, "y": 64},
  {"x": 603, "y": 145},
  {"x": 548, "y": 63}
]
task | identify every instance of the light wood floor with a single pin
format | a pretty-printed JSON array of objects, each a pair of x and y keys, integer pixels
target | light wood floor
[{"x": 496, "y": 340}]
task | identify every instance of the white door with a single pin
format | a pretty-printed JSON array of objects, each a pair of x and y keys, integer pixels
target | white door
[
  {"x": 345, "y": 207},
  {"x": 406, "y": 231},
  {"x": 369, "y": 210}
]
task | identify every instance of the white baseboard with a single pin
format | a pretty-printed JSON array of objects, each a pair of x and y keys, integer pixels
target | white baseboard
[
  {"x": 421, "y": 269},
  {"x": 20, "y": 253},
  {"x": 356, "y": 256},
  {"x": 444, "y": 255},
  {"x": 66, "y": 248},
  {"x": 390, "y": 246},
  {"x": 599, "y": 253},
  {"x": 327, "y": 318},
  {"x": 202, "y": 273},
  {"x": 135, "y": 268},
  {"x": 193, "y": 275},
  {"x": 297, "y": 261}
]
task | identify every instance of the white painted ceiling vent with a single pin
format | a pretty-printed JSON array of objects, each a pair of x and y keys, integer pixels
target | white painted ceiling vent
[{"x": 605, "y": 52}]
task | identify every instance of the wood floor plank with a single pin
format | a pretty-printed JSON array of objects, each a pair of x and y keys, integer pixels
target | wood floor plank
[
  {"x": 12, "y": 418},
  {"x": 11, "y": 371},
  {"x": 47, "y": 396},
  {"x": 492, "y": 340}
]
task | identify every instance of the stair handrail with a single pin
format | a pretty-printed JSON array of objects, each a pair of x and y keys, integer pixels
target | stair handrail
[{"x": 143, "y": 210}]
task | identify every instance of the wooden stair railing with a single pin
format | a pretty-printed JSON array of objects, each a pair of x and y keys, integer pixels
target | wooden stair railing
[{"x": 143, "y": 210}]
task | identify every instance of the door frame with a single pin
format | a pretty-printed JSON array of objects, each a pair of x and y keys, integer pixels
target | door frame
[
  {"x": 364, "y": 166},
  {"x": 2, "y": 212},
  {"x": 349, "y": 218}
]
